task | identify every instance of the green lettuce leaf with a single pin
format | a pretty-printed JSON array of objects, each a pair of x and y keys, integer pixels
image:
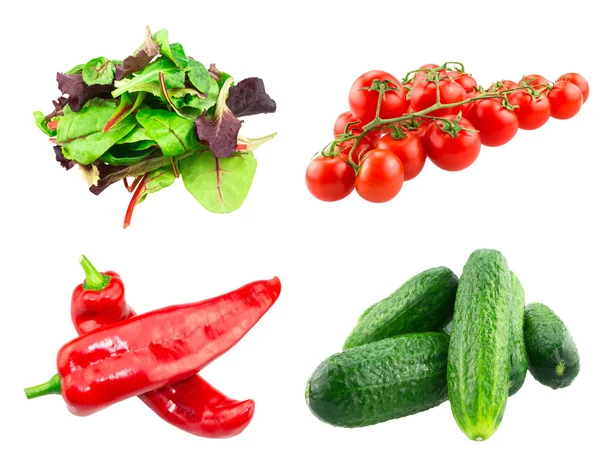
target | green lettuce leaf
[
  {"x": 147, "y": 79},
  {"x": 219, "y": 185},
  {"x": 198, "y": 75},
  {"x": 98, "y": 71},
  {"x": 174, "y": 134},
  {"x": 80, "y": 133},
  {"x": 42, "y": 123},
  {"x": 173, "y": 51}
]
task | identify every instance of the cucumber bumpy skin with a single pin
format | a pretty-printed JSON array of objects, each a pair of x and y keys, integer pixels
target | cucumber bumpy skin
[
  {"x": 479, "y": 357},
  {"x": 518, "y": 354},
  {"x": 376, "y": 382},
  {"x": 422, "y": 304},
  {"x": 552, "y": 353}
]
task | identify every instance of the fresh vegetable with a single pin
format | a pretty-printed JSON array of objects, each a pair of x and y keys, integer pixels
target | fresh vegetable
[
  {"x": 380, "y": 177},
  {"x": 365, "y": 94},
  {"x": 424, "y": 303},
  {"x": 496, "y": 123},
  {"x": 452, "y": 144},
  {"x": 330, "y": 179},
  {"x": 391, "y": 378},
  {"x": 552, "y": 353},
  {"x": 463, "y": 114},
  {"x": 478, "y": 357},
  {"x": 151, "y": 350},
  {"x": 409, "y": 149},
  {"x": 192, "y": 404},
  {"x": 532, "y": 110},
  {"x": 153, "y": 117},
  {"x": 578, "y": 81},
  {"x": 566, "y": 100},
  {"x": 518, "y": 354}
]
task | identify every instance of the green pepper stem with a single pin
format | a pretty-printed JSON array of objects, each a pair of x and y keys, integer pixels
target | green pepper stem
[
  {"x": 94, "y": 279},
  {"x": 52, "y": 386}
]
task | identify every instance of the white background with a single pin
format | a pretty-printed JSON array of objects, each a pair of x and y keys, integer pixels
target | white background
[{"x": 535, "y": 199}]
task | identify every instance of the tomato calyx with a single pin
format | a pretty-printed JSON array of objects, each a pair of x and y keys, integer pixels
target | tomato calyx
[{"x": 451, "y": 126}]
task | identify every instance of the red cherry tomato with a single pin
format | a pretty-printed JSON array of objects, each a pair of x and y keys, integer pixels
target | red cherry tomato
[
  {"x": 423, "y": 96},
  {"x": 423, "y": 75},
  {"x": 565, "y": 100},
  {"x": 496, "y": 124},
  {"x": 448, "y": 152},
  {"x": 380, "y": 177},
  {"x": 531, "y": 112},
  {"x": 330, "y": 179},
  {"x": 578, "y": 81},
  {"x": 409, "y": 150},
  {"x": 363, "y": 103},
  {"x": 364, "y": 145},
  {"x": 465, "y": 80},
  {"x": 343, "y": 119},
  {"x": 505, "y": 84},
  {"x": 537, "y": 82}
]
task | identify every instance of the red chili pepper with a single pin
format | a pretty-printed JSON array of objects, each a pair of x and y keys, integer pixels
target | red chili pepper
[
  {"x": 192, "y": 405},
  {"x": 155, "y": 349}
]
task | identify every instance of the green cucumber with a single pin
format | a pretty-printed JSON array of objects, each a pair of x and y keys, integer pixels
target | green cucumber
[
  {"x": 478, "y": 357},
  {"x": 373, "y": 383},
  {"x": 552, "y": 353},
  {"x": 424, "y": 303},
  {"x": 518, "y": 354}
]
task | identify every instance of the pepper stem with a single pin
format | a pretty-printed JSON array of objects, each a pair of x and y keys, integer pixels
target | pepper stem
[
  {"x": 52, "y": 386},
  {"x": 94, "y": 279}
]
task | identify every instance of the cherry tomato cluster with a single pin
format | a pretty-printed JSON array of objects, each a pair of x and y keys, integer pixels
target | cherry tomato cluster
[{"x": 439, "y": 112}]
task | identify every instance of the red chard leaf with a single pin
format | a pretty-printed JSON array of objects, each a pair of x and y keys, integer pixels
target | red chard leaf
[
  {"x": 221, "y": 132},
  {"x": 249, "y": 97},
  {"x": 138, "y": 61}
]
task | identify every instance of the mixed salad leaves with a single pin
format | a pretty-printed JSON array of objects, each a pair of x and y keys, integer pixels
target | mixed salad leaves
[{"x": 157, "y": 115}]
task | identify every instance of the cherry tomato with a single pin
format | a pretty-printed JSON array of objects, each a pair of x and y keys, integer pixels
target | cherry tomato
[
  {"x": 505, "y": 84},
  {"x": 330, "y": 179},
  {"x": 409, "y": 150},
  {"x": 380, "y": 177},
  {"x": 578, "y": 81},
  {"x": 565, "y": 100},
  {"x": 465, "y": 80},
  {"x": 531, "y": 112},
  {"x": 424, "y": 94},
  {"x": 343, "y": 119},
  {"x": 537, "y": 82},
  {"x": 363, "y": 103},
  {"x": 423, "y": 75},
  {"x": 465, "y": 108},
  {"x": 448, "y": 152},
  {"x": 364, "y": 145},
  {"x": 496, "y": 124}
]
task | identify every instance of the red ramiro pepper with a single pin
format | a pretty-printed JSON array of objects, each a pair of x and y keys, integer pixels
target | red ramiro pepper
[
  {"x": 155, "y": 349},
  {"x": 192, "y": 404}
]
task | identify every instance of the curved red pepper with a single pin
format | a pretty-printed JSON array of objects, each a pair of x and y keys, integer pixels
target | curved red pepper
[
  {"x": 155, "y": 349},
  {"x": 192, "y": 404}
]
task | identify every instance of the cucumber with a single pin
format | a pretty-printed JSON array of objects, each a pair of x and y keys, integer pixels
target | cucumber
[
  {"x": 552, "y": 353},
  {"x": 478, "y": 357},
  {"x": 424, "y": 303},
  {"x": 518, "y": 354},
  {"x": 373, "y": 383}
]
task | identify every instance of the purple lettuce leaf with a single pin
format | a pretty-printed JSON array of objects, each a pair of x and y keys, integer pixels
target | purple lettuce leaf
[
  {"x": 59, "y": 105},
  {"x": 220, "y": 133},
  {"x": 138, "y": 61},
  {"x": 249, "y": 97},
  {"x": 79, "y": 93},
  {"x": 105, "y": 171},
  {"x": 60, "y": 158}
]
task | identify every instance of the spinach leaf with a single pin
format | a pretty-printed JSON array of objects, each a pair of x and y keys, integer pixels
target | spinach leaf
[
  {"x": 136, "y": 135},
  {"x": 221, "y": 132},
  {"x": 249, "y": 97},
  {"x": 219, "y": 185},
  {"x": 132, "y": 157},
  {"x": 98, "y": 71},
  {"x": 147, "y": 79},
  {"x": 42, "y": 123},
  {"x": 80, "y": 134},
  {"x": 172, "y": 51},
  {"x": 198, "y": 75},
  {"x": 174, "y": 134}
]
